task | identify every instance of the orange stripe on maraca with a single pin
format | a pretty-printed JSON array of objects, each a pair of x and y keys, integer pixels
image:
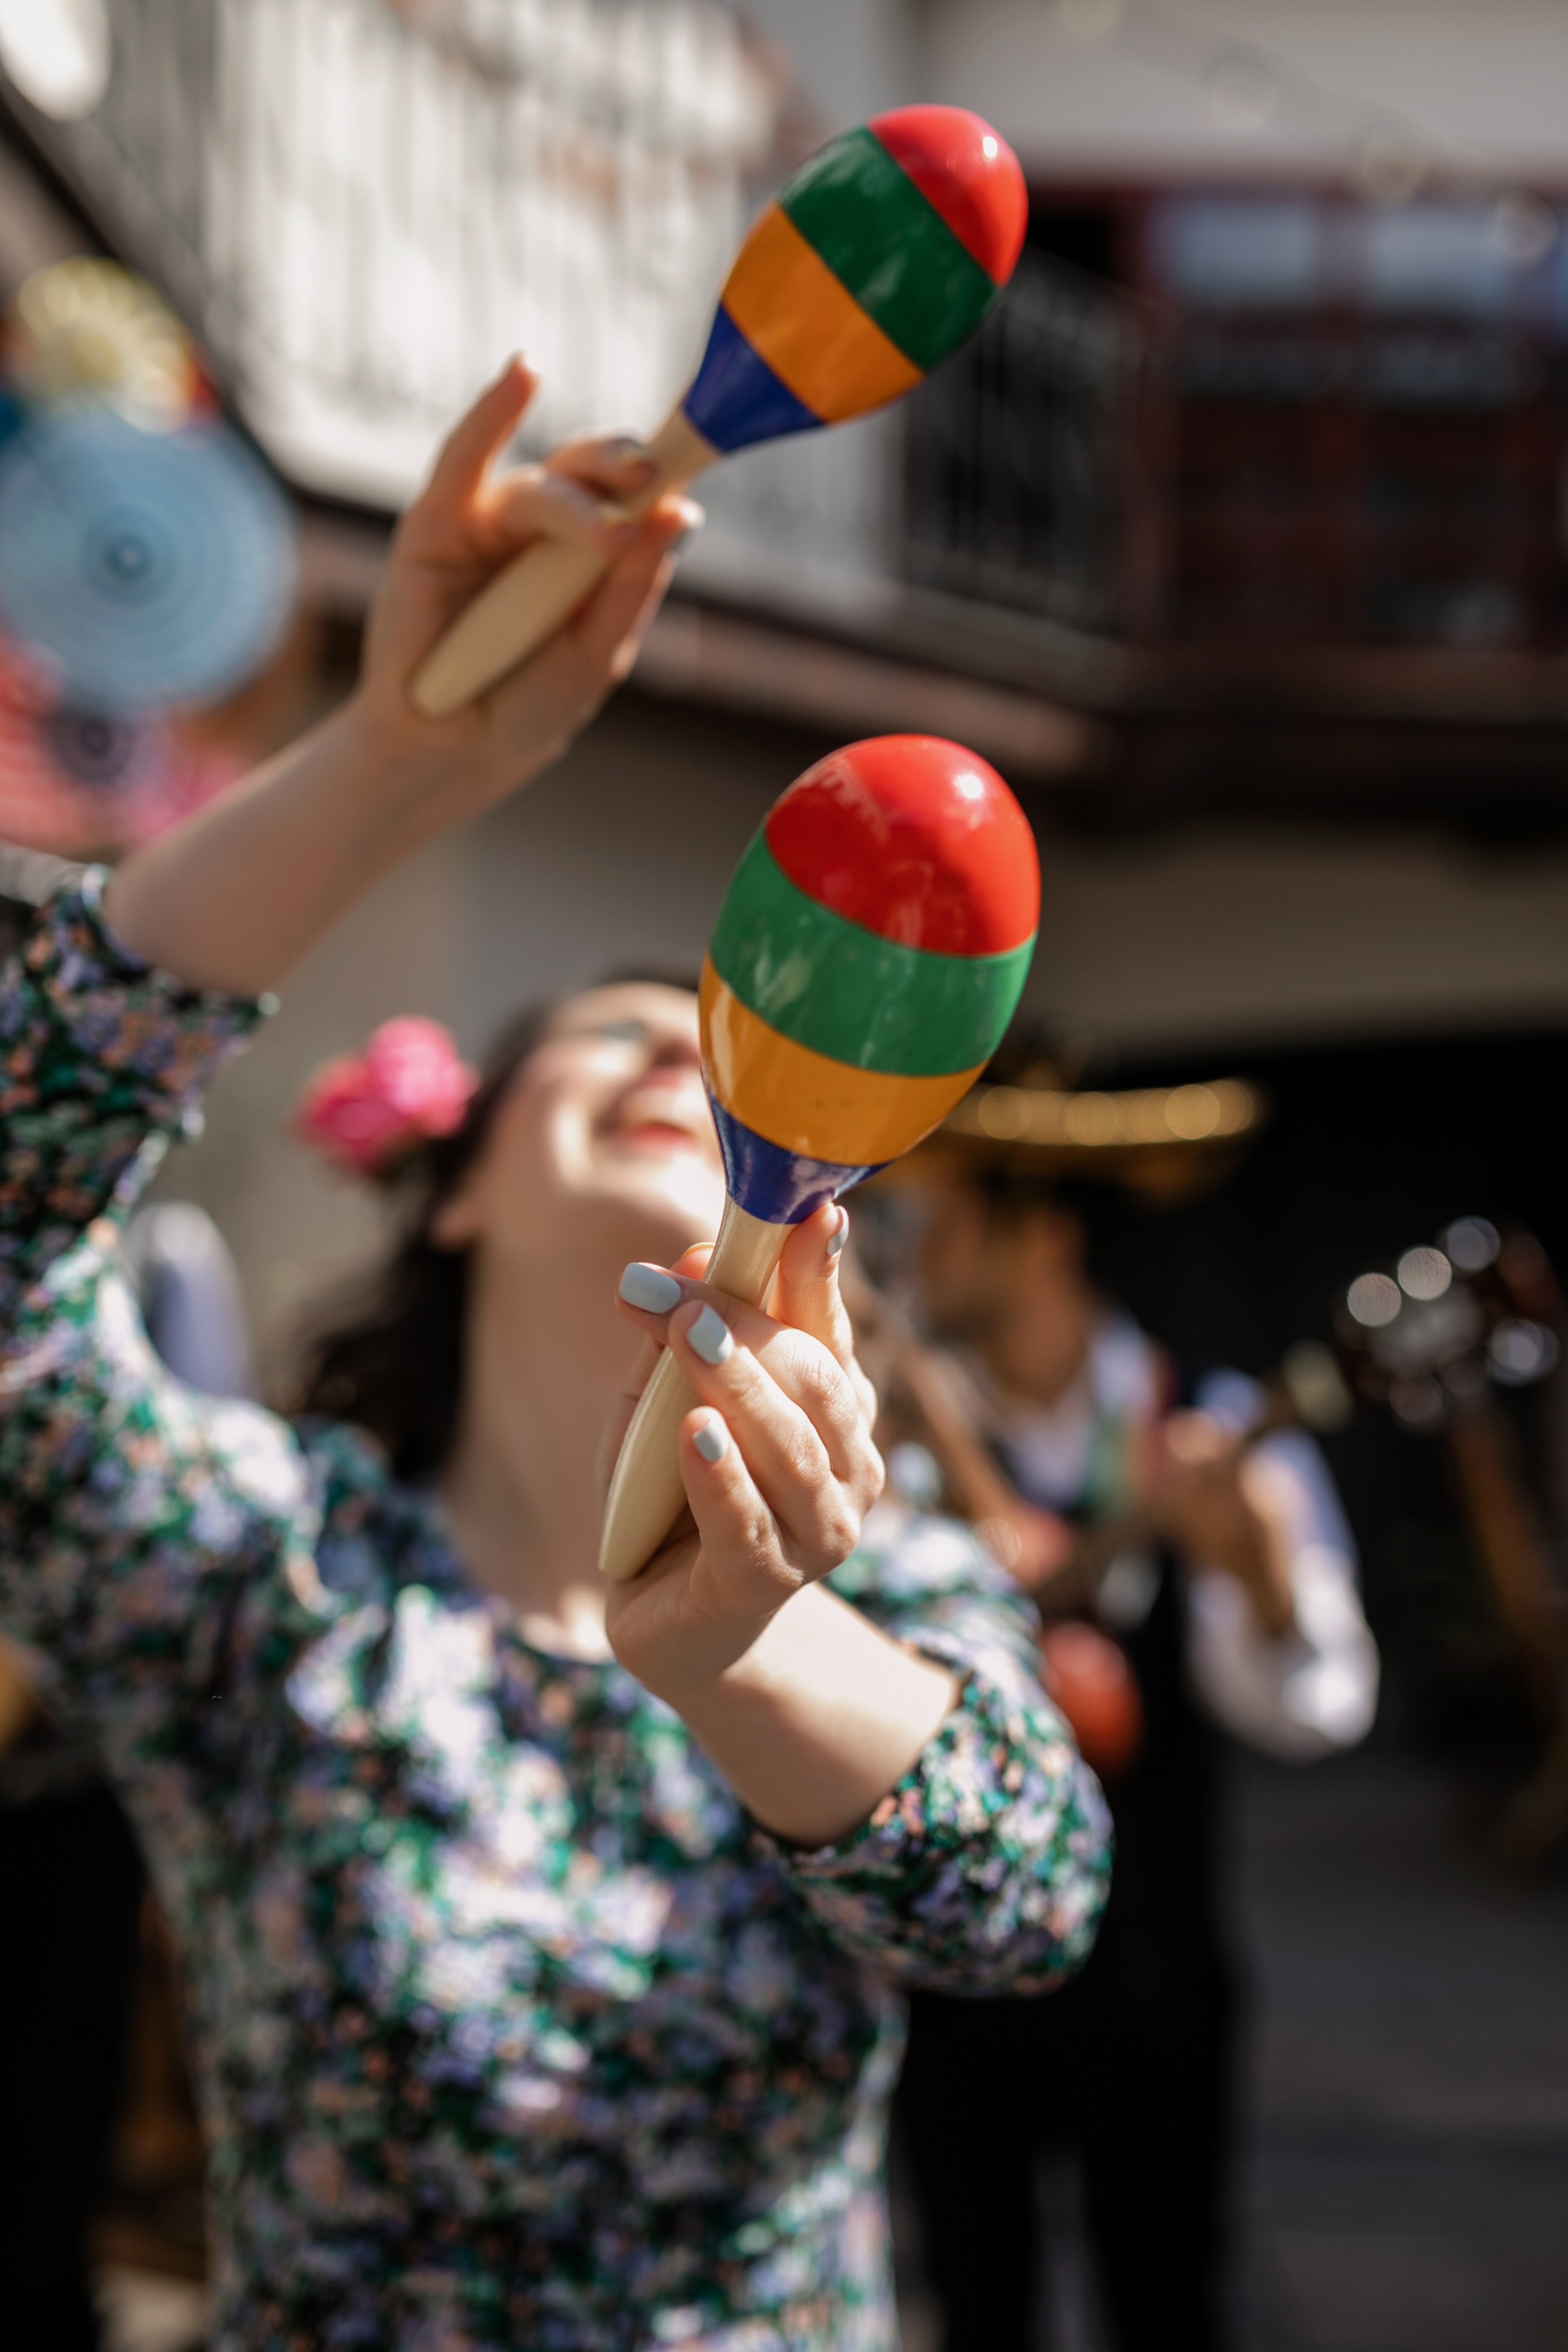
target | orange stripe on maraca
[
  {"x": 809, "y": 328},
  {"x": 806, "y": 1103}
]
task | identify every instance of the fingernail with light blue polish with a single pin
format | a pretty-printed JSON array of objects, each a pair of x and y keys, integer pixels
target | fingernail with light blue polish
[
  {"x": 838, "y": 1240},
  {"x": 712, "y": 1440},
  {"x": 709, "y": 1338},
  {"x": 650, "y": 1288}
]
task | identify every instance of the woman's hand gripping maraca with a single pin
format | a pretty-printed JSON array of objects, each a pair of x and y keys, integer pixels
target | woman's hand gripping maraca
[
  {"x": 475, "y": 515},
  {"x": 239, "y": 896},
  {"x": 730, "y": 1623},
  {"x": 776, "y": 1459}
]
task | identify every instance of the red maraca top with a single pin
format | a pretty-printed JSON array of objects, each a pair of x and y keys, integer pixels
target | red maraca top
[
  {"x": 913, "y": 838},
  {"x": 964, "y": 173}
]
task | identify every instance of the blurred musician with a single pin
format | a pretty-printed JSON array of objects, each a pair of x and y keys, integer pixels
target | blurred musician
[{"x": 1208, "y": 1579}]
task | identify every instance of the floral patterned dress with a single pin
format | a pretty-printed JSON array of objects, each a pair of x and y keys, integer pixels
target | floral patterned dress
[{"x": 511, "y": 2028}]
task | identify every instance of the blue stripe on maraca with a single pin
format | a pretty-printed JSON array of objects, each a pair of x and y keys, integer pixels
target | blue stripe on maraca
[
  {"x": 737, "y": 398},
  {"x": 781, "y": 1187}
]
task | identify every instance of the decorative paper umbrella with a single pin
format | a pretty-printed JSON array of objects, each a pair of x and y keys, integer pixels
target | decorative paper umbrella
[
  {"x": 87, "y": 330},
  {"x": 83, "y": 783},
  {"x": 150, "y": 568}
]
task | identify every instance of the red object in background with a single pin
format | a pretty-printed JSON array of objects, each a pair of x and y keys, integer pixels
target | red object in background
[
  {"x": 82, "y": 784},
  {"x": 968, "y": 173},
  {"x": 916, "y": 839},
  {"x": 1088, "y": 1676}
]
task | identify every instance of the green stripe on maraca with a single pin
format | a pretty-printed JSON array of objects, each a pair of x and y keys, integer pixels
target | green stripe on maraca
[
  {"x": 890, "y": 247},
  {"x": 846, "y": 992}
]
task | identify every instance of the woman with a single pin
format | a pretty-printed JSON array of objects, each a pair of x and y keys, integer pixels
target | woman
[{"x": 540, "y": 1938}]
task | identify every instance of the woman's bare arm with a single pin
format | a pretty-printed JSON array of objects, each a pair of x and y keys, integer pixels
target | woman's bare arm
[
  {"x": 823, "y": 1715},
  {"x": 810, "y": 1711},
  {"x": 236, "y": 897}
]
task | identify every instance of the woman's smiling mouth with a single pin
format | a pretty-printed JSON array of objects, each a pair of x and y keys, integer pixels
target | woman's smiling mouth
[{"x": 661, "y": 1116}]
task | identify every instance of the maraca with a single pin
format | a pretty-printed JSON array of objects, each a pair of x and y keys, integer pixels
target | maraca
[
  {"x": 1088, "y": 1676},
  {"x": 868, "y": 956},
  {"x": 875, "y": 261}
]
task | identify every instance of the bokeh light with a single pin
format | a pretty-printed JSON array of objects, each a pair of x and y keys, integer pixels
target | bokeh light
[
  {"x": 1472, "y": 1244},
  {"x": 1373, "y": 1300},
  {"x": 1520, "y": 1351},
  {"x": 1425, "y": 1274}
]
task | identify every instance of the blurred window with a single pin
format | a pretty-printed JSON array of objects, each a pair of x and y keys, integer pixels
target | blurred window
[
  {"x": 1241, "y": 253},
  {"x": 1438, "y": 257},
  {"x": 1281, "y": 418}
]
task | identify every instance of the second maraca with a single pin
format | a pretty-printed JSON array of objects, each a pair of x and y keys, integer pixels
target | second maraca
[
  {"x": 879, "y": 257},
  {"x": 868, "y": 955}
]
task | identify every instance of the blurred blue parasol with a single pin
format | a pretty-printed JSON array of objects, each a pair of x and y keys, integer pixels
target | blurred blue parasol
[{"x": 146, "y": 568}]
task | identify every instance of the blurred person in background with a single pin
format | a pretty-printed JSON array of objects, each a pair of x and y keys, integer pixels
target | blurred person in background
[
  {"x": 73, "y": 1888},
  {"x": 1211, "y": 1583},
  {"x": 70, "y": 1890},
  {"x": 542, "y": 1938}
]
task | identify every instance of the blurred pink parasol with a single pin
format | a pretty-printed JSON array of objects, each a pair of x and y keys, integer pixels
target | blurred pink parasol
[{"x": 83, "y": 783}]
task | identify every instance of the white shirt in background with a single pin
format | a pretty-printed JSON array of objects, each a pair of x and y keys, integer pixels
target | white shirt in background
[{"x": 1297, "y": 1696}]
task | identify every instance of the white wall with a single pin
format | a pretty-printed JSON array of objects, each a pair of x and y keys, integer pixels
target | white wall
[
  {"x": 1128, "y": 86},
  {"x": 852, "y": 57},
  {"x": 1234, "y": 937}
]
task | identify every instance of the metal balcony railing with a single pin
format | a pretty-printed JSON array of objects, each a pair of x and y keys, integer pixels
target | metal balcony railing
[
  {"x": 1020, "y": 456},
  {"x": 1182, "y": 477}
]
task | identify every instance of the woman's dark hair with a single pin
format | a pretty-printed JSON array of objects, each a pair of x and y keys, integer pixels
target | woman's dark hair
[{"x": 394, "y": 1364}]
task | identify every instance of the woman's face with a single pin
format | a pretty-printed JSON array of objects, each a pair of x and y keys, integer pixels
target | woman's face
[{"x": 604, "y": 1138}]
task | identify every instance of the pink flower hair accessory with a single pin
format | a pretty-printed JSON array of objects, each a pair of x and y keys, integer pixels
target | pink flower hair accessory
[{"x": 370, "y": 1112}]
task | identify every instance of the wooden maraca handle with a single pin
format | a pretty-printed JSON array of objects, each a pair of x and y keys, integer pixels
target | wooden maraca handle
[
  {"x": 525, "y": 603},
  {"x": 646, "y": 1494}
]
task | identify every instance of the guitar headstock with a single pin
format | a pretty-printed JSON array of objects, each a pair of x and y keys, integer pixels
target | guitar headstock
[{"x": 1478, "y": 1310}]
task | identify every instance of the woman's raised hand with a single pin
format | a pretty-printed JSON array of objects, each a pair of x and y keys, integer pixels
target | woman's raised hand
[
  {"x": 234, "y": 896},
  {"x": 473, "y": 516},
  {"x": 778, "y": 1461}
]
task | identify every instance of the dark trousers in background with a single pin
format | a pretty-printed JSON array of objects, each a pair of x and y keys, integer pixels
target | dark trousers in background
[
  {"x": 70, "y": 1901},
  {"x": 1133, "y": 2077}
]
